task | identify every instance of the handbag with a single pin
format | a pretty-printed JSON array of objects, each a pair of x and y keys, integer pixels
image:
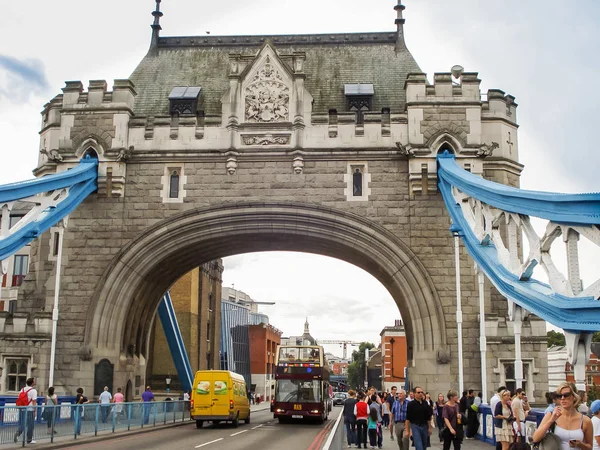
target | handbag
[{"x": 548, "y": 442}]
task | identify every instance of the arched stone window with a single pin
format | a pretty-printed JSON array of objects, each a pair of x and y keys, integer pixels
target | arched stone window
[
  {"x": 357, "y": 183},
  {"x": 174, "y": 184},
  {"x": 91, "y": 152},
  {"x": 446, "y": 147},
  {"x": 357, "y": 179}
]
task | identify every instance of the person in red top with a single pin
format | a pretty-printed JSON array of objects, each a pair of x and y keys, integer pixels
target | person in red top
[{"x": 361, "y": 411}]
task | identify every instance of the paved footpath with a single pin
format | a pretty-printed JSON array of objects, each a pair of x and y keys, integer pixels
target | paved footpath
[{"x": 467, "y": 444}]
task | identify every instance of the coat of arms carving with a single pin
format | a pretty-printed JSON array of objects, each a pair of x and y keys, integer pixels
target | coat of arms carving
[{"x": 267, "y": 96}]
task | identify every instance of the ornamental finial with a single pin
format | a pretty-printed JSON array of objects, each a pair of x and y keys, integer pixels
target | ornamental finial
[
  {"x": 400, "y": 26},
  {"x": 156, "y": 26}
]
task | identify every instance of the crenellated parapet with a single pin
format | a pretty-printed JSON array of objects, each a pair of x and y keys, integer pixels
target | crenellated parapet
[
  {"x": 76, "y": 123},
  {"x": 452, "y": 114}
]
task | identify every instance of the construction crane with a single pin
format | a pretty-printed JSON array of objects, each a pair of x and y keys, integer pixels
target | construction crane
[{"x": 344, "y": 343}]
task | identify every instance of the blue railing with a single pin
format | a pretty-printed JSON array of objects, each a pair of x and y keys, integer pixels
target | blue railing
[
  {"x": 66, "y": 421},
  {"x": 486, "y": 424}
]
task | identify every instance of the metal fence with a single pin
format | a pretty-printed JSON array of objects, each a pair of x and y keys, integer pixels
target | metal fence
[{"x": 30, "y": 424}]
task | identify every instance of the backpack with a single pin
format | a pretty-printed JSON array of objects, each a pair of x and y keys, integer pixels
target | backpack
[{"x": 23, "y": 399}]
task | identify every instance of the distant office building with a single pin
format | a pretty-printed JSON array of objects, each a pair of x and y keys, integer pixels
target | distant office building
[
  {"x": 235, "y": 339},
  {"x": 195, "y": 298},
  {"x": 264, "y": 340},
  {"x": 393, "y": 356},
  {"x": 304, "y": 339}
]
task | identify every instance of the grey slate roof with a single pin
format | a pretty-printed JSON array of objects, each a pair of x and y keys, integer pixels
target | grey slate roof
[{"x": 332, "y": 60}]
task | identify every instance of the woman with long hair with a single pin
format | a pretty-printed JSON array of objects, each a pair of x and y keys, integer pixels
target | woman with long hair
[
  {"x": 503, "y": 420},
  {"x": 50, "y": 410},
  {"x": 437, "y": 410},
  {"x": 453, "y": 421},
  {"x": 573, "y": 428}
]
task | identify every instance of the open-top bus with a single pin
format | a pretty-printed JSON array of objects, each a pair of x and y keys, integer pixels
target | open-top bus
[{"x": 302, "y": 389}]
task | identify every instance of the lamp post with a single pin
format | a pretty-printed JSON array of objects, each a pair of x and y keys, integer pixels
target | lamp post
[
  {"x": 457, "y": 233},
  {"x": 168, "y": 383}
]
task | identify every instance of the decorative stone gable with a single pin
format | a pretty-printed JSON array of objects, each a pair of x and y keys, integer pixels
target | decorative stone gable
[
  {"x": 266, "y": 103},
  {"x": 267, "y": 97}
]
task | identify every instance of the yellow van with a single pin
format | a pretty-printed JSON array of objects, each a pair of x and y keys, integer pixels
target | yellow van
[{"x": 219, "y": 395}]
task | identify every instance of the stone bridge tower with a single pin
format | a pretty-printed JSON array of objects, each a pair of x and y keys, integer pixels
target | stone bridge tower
[{"x": 218, "y": 145}]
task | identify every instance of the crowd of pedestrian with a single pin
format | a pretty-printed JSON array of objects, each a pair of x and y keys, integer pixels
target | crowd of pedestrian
[{"x": 410, "y": 419}]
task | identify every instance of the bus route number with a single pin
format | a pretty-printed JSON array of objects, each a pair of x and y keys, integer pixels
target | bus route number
[{"x": 298, "y": 407}]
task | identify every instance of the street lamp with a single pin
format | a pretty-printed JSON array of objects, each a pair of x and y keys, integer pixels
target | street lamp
[{"x": 168, "y": 383}]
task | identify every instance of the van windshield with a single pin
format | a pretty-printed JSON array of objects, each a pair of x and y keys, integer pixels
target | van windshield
[{"x": 298, "y": 391}]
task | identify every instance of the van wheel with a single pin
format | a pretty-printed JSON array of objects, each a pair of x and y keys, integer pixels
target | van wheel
[
  {"x": 247, "y": 421},
  {"x": 199, "y": 423},
  {"x": 236, "y": 421}
]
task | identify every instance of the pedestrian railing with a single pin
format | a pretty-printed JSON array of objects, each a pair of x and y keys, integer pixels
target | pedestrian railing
[
  {"x": 24, "y": 424},
  {"x": 486, "y": 424}
]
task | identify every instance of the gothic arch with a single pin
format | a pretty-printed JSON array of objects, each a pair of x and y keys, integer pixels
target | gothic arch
[
  {"x": 93, "y": 137},
  {"x": 90, "y": 142},
  {"x": 127, "y": 295},
  {"x": 445, "y": 138}
]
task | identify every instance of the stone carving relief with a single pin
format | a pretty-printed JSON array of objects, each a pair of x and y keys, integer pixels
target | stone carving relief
[
  {"x": 266, "y": 140},
  {"x": 405, "y": 150},
  {"x": 52, "y": 155},
  {"x": 231, "y": 165},
  {"x": 298, "y": 165},
  {"x": 267, "y": 98},
  {"x": 125, "y": 154},
  {"x": 487, "y": 150}
]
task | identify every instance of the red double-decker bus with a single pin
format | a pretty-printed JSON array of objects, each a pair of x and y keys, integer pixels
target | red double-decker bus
[{"x": 302, "y": 389}]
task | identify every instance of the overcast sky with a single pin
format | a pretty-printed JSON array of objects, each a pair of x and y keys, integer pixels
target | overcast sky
[{"x": 545, "y": 53}]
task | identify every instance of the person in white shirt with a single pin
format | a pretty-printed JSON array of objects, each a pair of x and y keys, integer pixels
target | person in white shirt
[
  {"x": 518, "y": 409},
  {"x": 28, "y": 415},
  {"x": 105, "y": 399},
  {"x": 595, "y": 410}
]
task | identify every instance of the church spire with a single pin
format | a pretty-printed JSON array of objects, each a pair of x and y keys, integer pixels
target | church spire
[
  {"x": 156, "y": 27},
  {"x": 400, "y": 44},
  {"x": 306, "y": 327}
]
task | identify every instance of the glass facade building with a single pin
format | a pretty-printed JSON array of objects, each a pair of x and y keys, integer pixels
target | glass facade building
[{"x": 235, "y": 339}]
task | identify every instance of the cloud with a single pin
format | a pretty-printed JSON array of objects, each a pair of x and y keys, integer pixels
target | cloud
[{"x": 19, "y": 79}]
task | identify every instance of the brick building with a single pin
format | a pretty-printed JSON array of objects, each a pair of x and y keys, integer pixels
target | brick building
[
  {"x": 196, "y": 300},
  {"x": 264, "y": 340},
  {"x": 394, "y": 356}
]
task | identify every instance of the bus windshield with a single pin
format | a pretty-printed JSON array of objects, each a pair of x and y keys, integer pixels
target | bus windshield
[{"x": 298, "y": 391}]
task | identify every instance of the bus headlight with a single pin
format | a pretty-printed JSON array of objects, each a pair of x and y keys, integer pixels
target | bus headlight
[
  {"x": 314, "y": 411},
  {"x": 280, "y": 411}
]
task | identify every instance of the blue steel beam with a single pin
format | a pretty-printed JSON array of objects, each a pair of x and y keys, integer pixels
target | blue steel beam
[
  {"x": 569, "y": 313},
  {"x": 175, "y": 341},
  {"x": 80, "y": 181}
]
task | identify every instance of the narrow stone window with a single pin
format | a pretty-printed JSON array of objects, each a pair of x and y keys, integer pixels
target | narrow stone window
[
  {"x": 174, "y": 184},
  {"x": 55, "y": 243},
  {"x": 357, "y": 183},
  {"x": 357, "y": 179}
]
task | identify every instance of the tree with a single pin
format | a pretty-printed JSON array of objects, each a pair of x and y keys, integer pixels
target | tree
[
  {"x": 596, "y": 337},
  {"x": 357, "y": 369},
  {"x": 555, "y": 338}
]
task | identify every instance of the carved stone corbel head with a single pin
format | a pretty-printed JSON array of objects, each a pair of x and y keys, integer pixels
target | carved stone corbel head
[
  {"x": 232, "y": 165},
  {"x": 298, "y": 165}
]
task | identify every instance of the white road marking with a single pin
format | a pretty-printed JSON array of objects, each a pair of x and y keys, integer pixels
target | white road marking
[
  {"x": 208, "y": 443},
  {"x": 257, "y": 426},
  {"x": 239, "y": 432}
]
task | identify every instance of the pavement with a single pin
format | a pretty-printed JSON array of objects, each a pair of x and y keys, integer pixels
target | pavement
[{"x": 68, "y": 441}]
